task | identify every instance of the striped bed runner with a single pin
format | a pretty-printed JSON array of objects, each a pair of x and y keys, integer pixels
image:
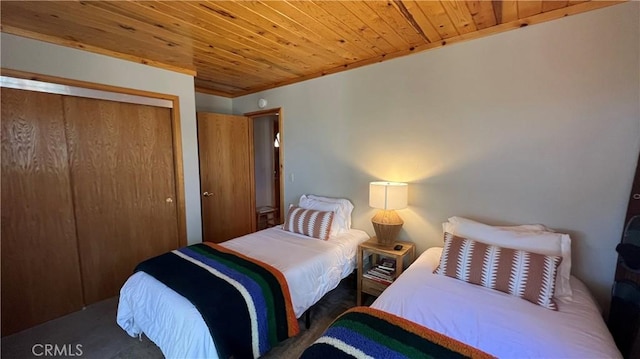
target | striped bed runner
[
  {"x": 364, "y": 332},
  {"x": 244, "y": 302}
]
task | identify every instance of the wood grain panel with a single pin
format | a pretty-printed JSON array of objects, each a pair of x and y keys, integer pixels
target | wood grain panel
[
  {"x": 225, "y": 145},
  {"x": 334, "y": 14},
  {"x": 48, "y": 17},
  {"x": 241, "y": 47},
  {"x": 439, "y": 18},
  {"x": 553, "y": 5},
  {"x": 529, "y": 8},
  {"x": 296, "y": 26},
  {"x": 122, "y": 169},
  {"x": 237, "y": 17},
  {"x": 324, "y": 25},
  {"x": 536, "y": 19},
  {"x": 421, "y": 20},
  {"x": 395, "y": 19},
  {"x": 508, "y": 11},
  {"x": 39, "y": 247},
  {"x": 221, "y": 34},
  {"x": 113, "y": 27},
  {"x": 376, "y": 23},
  {"x": 230, "y": 50},
  {"x": 460, "y": 16},
  {"x": 223, "y": 57},
  {"x": 483, "y": 14}
]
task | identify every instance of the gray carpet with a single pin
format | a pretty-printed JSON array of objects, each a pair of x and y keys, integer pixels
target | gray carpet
[{"x": 96, "y": 330}]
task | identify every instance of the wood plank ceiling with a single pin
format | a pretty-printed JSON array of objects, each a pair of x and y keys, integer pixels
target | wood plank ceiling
[{"x": 240, "y": 47}]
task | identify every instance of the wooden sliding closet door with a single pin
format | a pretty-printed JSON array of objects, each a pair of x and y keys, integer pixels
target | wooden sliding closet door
[
  {"x": 225, "y": 146},
  {"x": 124, "y": 188},
  {"x": 40, "y": 270}
]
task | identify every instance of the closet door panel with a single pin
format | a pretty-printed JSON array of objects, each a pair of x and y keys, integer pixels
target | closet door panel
[
  {"x": 123, "y": 181},
  {"x": 40, "y": 267}
]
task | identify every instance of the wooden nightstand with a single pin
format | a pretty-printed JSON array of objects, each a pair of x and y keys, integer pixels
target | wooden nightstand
[{"x": 376, "y": 287}]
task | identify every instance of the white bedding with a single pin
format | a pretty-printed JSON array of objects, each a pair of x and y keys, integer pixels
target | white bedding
[
  {"x": 311, "y": 267},
  {"x": 497, "y": 323}
]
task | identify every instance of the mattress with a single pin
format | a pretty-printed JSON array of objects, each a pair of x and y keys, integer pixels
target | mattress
[
  {"x": 311, "y": 267},
  {"x": 497, "y": 323}
]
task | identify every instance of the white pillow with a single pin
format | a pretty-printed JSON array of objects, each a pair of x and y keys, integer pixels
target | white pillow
[
  {"x": 343, "y": 214},
  {"x": 532, "y": 238},
  {"x": 305, "y": 203},
  {"x": 345, "y": 205}
]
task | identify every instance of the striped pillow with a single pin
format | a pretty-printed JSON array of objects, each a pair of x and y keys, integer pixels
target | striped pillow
[
  {"x": 523, "y": 274},
  {"x": 312, "y": 223}
]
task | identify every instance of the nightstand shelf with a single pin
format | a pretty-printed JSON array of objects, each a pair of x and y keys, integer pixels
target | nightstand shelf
[{"x": 376, "y": 251}]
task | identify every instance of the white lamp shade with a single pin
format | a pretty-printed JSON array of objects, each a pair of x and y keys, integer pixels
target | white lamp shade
[{"x": 388, "y": 195}]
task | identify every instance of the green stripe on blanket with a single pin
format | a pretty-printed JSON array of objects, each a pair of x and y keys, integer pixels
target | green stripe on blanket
[
  {"x": 259, "y": 279},
  {"x": 364, "y": 332},
  {"x": 244, "y": 302}
]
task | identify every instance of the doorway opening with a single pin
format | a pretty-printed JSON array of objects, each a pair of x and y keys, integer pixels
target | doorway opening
[{"x": 268, "y": 167}]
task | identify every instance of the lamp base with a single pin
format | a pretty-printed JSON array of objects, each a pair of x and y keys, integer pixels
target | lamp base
[{"x": 387, "y": 225}]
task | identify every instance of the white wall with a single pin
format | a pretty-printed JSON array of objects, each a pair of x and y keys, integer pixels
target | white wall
[
  {"x": 212, "y": 103},
  {"x": 540, "y": 124},
  {"x": 39, "y": 57}
]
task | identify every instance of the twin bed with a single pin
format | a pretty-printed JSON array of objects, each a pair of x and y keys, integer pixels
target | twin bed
[
  {"x": 311, "y": 267},
  {"x": 496, "y": 323},
  {"x": 475, "y": 320},
  {"x": 480, "y": 321}
]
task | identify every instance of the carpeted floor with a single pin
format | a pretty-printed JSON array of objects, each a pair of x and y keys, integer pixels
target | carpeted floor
[{"x": 96, "y": 330}]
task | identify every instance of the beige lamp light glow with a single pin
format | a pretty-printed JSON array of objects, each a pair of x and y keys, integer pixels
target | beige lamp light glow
[{"x": 387, "y": 197}]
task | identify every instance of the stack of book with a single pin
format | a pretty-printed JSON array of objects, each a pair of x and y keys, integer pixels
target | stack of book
[{"x": 383, "y": 272}]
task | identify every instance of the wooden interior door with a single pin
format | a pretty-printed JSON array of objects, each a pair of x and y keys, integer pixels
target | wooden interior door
[
  {"x": 40, "y": 267},
  {"x": 225, "y": 145},
  {"x": 124, "y": 187}
]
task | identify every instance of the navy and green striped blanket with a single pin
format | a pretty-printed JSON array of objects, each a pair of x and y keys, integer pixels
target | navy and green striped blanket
[
  {"x": 364, "y": 332},
  {"x": 245, "y": 303}
]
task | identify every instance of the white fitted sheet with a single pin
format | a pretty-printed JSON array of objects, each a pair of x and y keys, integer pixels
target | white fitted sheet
[
  {"x": 311, "y": 267},
  {"x": 495, "y": 322}
]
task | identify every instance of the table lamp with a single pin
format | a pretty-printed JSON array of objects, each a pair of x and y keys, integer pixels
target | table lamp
[{"x": 387, "y": 197}]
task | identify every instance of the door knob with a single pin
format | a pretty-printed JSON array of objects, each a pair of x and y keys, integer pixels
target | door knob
[
  {"x": 636, "y": 196},
  {"x": 207, "y": 194}
]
